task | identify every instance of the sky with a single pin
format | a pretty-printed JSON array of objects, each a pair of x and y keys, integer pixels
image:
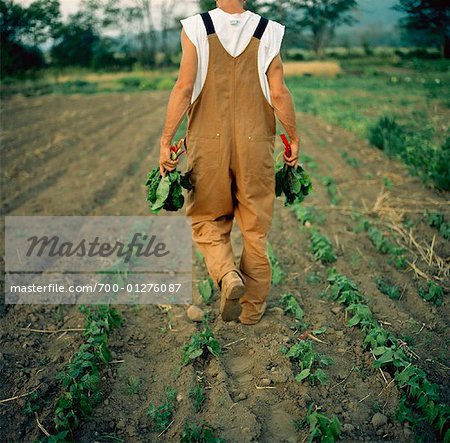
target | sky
[{"x": 372, "y": 11}]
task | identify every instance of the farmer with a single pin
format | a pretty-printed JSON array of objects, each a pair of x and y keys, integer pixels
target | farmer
[{"x": 231, "y": 85}]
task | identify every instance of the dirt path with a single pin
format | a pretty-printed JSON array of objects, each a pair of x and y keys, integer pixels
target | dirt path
[{"x": 101, "y": 149}]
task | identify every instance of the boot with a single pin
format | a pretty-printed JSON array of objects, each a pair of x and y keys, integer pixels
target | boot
[{"x": 231, "y": 289}]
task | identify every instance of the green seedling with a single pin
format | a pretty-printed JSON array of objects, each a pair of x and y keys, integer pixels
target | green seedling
[
  {"x": 197, "y": 395},
  {"x": 416, "y": 390},
  {"x": 134, "y": 385},
  {"x": 278, "y": 275},
  {"x": 384, "y": 246},
  {"x": 199, "y": 433},
  {"x": 436, "y": 220},
  {"x": 321, "y": 428},
  {"x": 308, "y": 362},
  {"x": 386, "y": 288},
  {"x": 313, "y": 278},
  {"x": 161, "y": 415},
  {"x": 322, "y": 247},
  {"x": 387, "y": 183},
  {"x": 332, "y": 190},
  {"x": 206, "y": 290},
  {"x": 200, "y": 345},
  {"x": 81, "y": 380},
  {"x": 308, "y": 214},
  {"x": 432, "y": 293},
  {"x": 200, "y": 257},
  {"x": 352, "y": 161},
  {"x": 31, "y": 405},
  {"x": 291, "y": 306}
]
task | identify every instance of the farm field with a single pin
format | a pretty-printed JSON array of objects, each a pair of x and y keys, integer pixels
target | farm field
[{"x": 82, "y": 154}]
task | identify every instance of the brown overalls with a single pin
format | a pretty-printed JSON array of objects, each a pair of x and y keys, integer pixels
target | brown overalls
[{"x": 230, "y": 143}]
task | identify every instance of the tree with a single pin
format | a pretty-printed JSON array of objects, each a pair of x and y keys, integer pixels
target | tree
[
  {"x": 322, "y": 17},
  {"x": 22, "y": 29},
  {"x": 431, "y": 17},
  {"x": 75, "y": 42}
]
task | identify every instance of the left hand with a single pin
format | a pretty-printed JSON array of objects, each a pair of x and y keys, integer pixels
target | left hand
[{"x": 293, "y": 159}]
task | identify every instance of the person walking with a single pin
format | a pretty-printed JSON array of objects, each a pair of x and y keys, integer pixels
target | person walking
[{"x": 231, "y": 86}]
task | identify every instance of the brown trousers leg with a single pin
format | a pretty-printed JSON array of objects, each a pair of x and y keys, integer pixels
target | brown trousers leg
[
  {"x": 255, "y": 195},
  {"x": 210, "y": 204}
]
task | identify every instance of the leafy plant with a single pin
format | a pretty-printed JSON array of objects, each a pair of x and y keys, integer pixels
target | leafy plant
[
  {"x": 308, "y": 362},
  {"x": 278, "y": 275},
  {"x": 81, "y": 380},
  {"x": 386, "y": 288},
  {"x": 134, "y": 385},
  {"x": 166, "y": 192},
  {"x": 416, "y": 390},
  {"x": 161, "y": 415},
  {"x": 291, "y": 306},
  {"x": 332, "y": 190},
  {"x": 387, "y": 135},
  {"x": 206, "y": 289},
  {"x": 313, "y": 278},
  {"x": 291, "y": 181},
  {"x": 199, "y": 433},
  {"x": 321, "y": 428},
  {"x": 197, "y": 395},
  {"x": 437, "y": 220},
  {"x": 306, "y": 214},
  {"x": 322, "y": 247},
  {"x": 354, "y": 162},
  {"x": 384, "y": 246},
  {"x": 433, "y": 292},
  {"x": 200, "y": 344}
]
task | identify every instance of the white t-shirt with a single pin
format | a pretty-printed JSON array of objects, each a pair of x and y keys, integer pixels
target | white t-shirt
[{"x": 234, "y": 32}]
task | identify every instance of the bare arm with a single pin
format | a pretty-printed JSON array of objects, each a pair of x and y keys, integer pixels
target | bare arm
[
  {"x": 179, "y": 101},
  {"x": 284, "y": 106}
]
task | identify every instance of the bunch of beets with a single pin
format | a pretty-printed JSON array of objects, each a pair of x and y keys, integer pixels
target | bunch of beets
[
  {"x": 294, "y": 182},
  {"x": 166, "y": 192}
]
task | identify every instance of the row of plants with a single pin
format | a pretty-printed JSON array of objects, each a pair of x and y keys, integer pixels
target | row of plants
[
  {"x": 308, "y": 366},
  {"x": 431, "y": 292},
  {"x": 80, "y": 381},
  {"x": 417, "y": 392}
]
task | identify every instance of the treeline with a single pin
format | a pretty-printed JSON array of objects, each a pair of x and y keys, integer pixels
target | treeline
[{"x": 117, "y": 34}]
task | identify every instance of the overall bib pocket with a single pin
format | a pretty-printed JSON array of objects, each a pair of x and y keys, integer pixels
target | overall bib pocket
[{"x": 203, "y": 152}]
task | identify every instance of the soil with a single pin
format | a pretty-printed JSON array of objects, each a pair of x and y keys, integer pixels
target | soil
[{"x": 89, "y": 155}]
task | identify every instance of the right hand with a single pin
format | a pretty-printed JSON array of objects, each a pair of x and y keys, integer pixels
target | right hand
[
  {"x": 166, "y": 164},
  {"x": 293, "y": 159}
]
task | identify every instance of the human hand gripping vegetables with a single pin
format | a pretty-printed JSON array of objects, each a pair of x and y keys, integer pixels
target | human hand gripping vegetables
[
  {"x": 165, "y": 183},
  {"x": 290, "y": 178}
]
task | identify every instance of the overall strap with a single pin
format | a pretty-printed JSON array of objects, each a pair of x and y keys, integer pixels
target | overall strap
[
  {"x": 262, "y": 25},
  {"x": 208, "y": 23}
]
